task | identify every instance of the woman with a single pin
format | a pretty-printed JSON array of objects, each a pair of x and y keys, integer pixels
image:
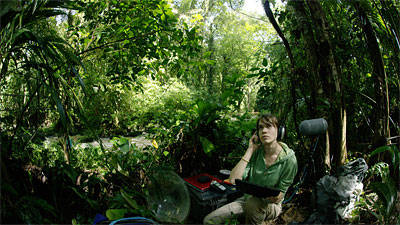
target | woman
[{"x": 266, "y": 162}]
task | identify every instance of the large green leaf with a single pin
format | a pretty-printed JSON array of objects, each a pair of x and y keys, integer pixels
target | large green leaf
[
  {"x": 71, "y": 172},
  {"x": 132, "y": 203},
  {"x": 394, "y": 153},
  {"x": 207, "y": 145},
  {"x": 60, "y": 107},
  {"x": 93, "y": 204},
  {"x": 122, "y": 143},
  {"x": 387, "y": 193},
  {"x": 115, "y": 214}
]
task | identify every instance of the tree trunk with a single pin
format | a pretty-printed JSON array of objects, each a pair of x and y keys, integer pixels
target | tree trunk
[
  {"x": 381, "y": 112},
  {"x": 65, "y": 145},
  {"x": 310, "y": 76},
  {"x": 324, "y": 68}
]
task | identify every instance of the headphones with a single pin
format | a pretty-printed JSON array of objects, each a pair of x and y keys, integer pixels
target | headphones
[{"x": 281, "y": 132}]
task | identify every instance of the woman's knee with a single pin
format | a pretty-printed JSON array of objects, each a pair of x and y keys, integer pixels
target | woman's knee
[
  {"x": 208, "y": 219},
  {"x": 255, "y": 210},
  {"x": 219, "y": 215},
  {"x": 214, "y": 217},
  {"x": 273, "y": 211},
  {"x": 258, "y": 210}
]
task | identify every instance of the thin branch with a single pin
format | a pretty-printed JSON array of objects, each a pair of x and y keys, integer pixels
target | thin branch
[
  {"x": 114, "y": 42},
  {"x": 271, "y": 18},
  {"x": 237, "y": 11}
]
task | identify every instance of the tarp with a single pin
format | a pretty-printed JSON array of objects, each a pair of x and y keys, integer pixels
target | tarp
[{"x": 337, "y": 193}]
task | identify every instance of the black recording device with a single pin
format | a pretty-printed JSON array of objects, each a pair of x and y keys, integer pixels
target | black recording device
[{"x": 255, "y": 189}]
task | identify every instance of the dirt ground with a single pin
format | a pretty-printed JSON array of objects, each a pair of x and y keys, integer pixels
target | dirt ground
[{"x": 297, "y": 210}]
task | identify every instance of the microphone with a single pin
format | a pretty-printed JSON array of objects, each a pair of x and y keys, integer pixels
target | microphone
[{"x": 313, "y": 127}]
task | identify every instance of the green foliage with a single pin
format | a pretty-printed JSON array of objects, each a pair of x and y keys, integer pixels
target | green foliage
[
  {"x": 127, "y": 111},
  {"x": 123, "y": 204},
  {"x": 232, "y": 221},
  {"x": 35, "y": 210},
  {"x": 394, "y": 155},
  {"x": 44, "y": 62},
  {"x": 386, "y": 190},
  {"x": 158, "y": 105},
  {"x": 234, "y": 138},
  {"x": 88, "y": 158},
  {"x": 387, "y": 194},
  {"x": 195, "y": 143},
  {"x": 47, "y": 153},
  {"x": 186, "y": 73},
  {"x": 381, "y": 203},
  {"x": 133, "y": 38},
  {"x": 87, "y": 181},
  {"x": 127, "y": 203}
]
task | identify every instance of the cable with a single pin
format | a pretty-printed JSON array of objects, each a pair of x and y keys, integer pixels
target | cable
[{"x": 133, "y": 218}]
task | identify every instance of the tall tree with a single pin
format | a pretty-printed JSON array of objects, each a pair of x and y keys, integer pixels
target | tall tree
[
  {"x": 325, "y": 71},
  {"x": 329, "y": 74},
  {"x": 381, "y": 112}
]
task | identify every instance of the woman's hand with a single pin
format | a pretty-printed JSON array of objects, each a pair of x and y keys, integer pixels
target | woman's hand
[
  {"x": 237, "y": 171},
  {"x": 275, "y": 199},
  {"x": 254, "y": 143}
]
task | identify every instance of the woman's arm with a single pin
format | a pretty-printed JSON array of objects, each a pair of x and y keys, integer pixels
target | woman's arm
[
  {"x": 276, "y": 199},
  {"x": 237, "y": 171}
]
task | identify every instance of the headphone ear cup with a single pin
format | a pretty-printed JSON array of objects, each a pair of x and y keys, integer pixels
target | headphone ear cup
[{"x": 281, "y": 132}]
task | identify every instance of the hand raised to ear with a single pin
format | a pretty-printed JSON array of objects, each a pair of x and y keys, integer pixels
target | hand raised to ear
[{"x": 254, "y": 142}]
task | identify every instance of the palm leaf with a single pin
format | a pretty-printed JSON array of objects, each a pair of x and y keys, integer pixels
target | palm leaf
[
  {"x": 387, "y": 193},
  {"x": 394, "y": 153},
  {"x": 7, "y": 12},
  {"x": 59, "y": 106}
]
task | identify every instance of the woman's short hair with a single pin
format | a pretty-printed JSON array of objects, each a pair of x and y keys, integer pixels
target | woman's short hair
[{"x": 268, "y": 118}]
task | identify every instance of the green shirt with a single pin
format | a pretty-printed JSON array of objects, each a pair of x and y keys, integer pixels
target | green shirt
[{"x": 279, "y": 175}]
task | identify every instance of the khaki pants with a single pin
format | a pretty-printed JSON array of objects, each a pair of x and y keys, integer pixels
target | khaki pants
[{"x": 255, "y": 210}]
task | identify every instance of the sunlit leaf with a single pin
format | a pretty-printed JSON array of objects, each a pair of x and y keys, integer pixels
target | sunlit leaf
[
  {"x": 207, "y": 54},
  {"x": 115, "y": 214},
  {"x": 208, "y": 147},
  {"x": 154, "y": 142}
]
